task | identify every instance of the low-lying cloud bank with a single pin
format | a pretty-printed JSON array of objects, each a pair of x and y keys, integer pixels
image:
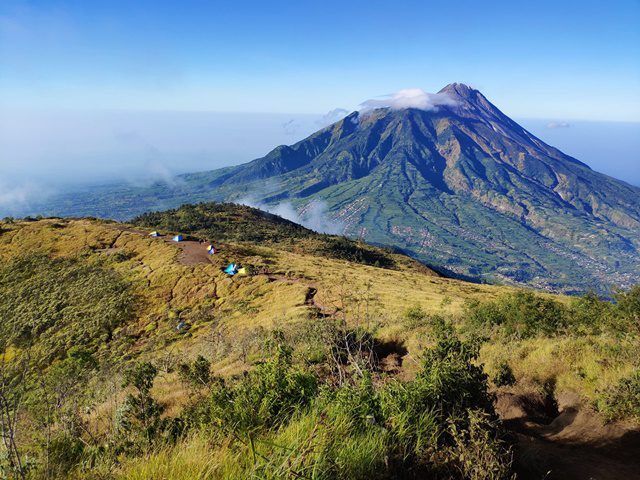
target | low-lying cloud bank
[
  {"x": 409, "y": 98},
  {"x": 314, "y": 215},
  {"x": 16, "y": 199}
]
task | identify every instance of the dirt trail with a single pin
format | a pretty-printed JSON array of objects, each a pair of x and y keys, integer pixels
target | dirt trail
[
  {"x": 567, "y": 440},
  {"x": 310, "y": 296},
  {"x": 192, "y": 253}
]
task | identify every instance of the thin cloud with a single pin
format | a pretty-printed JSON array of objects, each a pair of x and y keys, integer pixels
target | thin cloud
[
  {"x": 409, "y": 98},
  {"x": 291, "y": 127},
  {"x": 314, "y": 215},
  {"x": 15, "y": 199},
  {"x": 332, "y": 116},
  {"x": 558, "y": 125}
]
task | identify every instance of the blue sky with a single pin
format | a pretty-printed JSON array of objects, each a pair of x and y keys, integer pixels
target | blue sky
[
  {"x": 547, "y": 59},
  {"x": 93, "y": 91}
]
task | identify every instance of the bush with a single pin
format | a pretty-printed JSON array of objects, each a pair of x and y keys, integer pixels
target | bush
[
  {"x": 590, "y": 314},
  {"x": 628, "y": 309},
  {"x": 196, "y": 374},
  {"x": 520, "y": 314},
  {"x": 415, "y": 316},
  {"x": 504, "y": 376},
  {"x": 478, "y": 452},
  {"x": 139, "y": 415},
  {"x": 623, "y": 400},
  {"x": 266, "y": 397},
  {"x": 65, "y": 452},
  {"x": 277, "y": 421}
]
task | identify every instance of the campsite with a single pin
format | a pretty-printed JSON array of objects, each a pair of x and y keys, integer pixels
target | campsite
[{"x": 190, "y": 310}]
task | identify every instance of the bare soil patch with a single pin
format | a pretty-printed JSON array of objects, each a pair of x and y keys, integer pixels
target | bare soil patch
[{"x": 574, "y": 444}]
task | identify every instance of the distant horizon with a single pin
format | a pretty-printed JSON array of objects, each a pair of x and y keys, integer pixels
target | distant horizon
[
  {"x": 137, "y": 91},
  {"x": 117, "y": 147}
]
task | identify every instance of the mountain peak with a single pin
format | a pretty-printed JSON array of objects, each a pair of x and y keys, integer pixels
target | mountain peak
[
  {"x": 460, "y": 91},
  {"x": 458, "y": 88}
]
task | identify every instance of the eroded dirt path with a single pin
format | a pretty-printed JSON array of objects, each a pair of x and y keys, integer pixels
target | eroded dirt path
[
  {"x": 192, "y": 253},
  {"x": 572, "y": 443}
]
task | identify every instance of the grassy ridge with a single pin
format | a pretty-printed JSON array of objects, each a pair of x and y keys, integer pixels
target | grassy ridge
[
  {"x": 227, "y": 222},
  {"x": 337, "y": 354}
]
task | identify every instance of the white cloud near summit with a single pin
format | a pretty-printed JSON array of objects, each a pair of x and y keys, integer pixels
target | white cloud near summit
[
  {"x": 409, "y": 98},
  {"x": 332, "y": 116}
]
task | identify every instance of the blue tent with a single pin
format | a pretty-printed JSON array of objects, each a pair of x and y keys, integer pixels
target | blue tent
[
  {"x": 231, "y": 269},
  {"x": 154, "y": 234},
  {"x": 178, "y": 238},
  {"x": 211, "y": 250}
]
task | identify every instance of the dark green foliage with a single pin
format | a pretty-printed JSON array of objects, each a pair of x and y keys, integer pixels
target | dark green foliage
[
  {"x": 359, "y": 403},
  {"x": 264, "y": 398},
  {"x": 479, "y": 451},
  {"x": 228, "y": 222},
  {"x": 225, "y": 222},
  {"x": 59, "y": 303},
  {"x": 622, "y": 401},
  {"x": 357, "y": 252},
  {"x": 196, "y": 374},
  {"x": 444, "y": 420},
  {"x": 504, "y": 376},
  {"x": 453, "y": 380},
  {"x": 521, "y": 314},
  {"x": 65, "y": 452},
  {"x": 140, "y": 412}
]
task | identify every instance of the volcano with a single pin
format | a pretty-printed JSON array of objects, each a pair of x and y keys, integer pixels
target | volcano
[{"x": 459, "y": 186}]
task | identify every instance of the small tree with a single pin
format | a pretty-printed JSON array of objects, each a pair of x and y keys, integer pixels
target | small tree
[
  {"x": 55, "y": 402},
  {"x": 628, "y": 307},
  {"x": 140, "y": 412},
  {"x": 196, "y": 374},
  {"x": 13, "y": 389}
]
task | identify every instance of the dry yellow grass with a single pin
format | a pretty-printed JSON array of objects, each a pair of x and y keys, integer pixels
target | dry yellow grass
[
  {"x": 169, "y": 289},
  {"x": 166, "y": 285}
]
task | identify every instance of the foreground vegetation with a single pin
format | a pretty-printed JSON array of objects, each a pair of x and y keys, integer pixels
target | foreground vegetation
[{"x": 383, "y": 374}]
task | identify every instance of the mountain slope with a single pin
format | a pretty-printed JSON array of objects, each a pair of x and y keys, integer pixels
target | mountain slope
[
  {"x": 462, "y": 187},
  {"x": 85, "y": 303}
]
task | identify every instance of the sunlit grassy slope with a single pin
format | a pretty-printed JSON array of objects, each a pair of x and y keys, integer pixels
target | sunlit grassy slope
[
  {"x": 289, "y": 284},
  {"x": 277, "y": 290},
  {"x": 185, "y": 306}
]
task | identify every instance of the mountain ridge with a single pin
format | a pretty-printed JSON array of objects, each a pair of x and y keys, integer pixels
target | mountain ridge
[{"x": 459, "y": 186}]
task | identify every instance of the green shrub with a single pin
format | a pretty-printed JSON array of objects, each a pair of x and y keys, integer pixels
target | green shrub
[
  {"x": 623, "y": 400},
  {"x": 264, "y": 398},
  {"x": 504, "y": 376},
  {"x": 478, "y": 451},
  {"x": 521, "y": 314},
  {"x": 415, "y": 315},
  {"x": 139, "y": 415},
  {"x": 196, "y": 374},
  {"x": 590, "y": 314},
  {"x": 65, "y": 452},
  {"x": 628, "y": 309}
]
